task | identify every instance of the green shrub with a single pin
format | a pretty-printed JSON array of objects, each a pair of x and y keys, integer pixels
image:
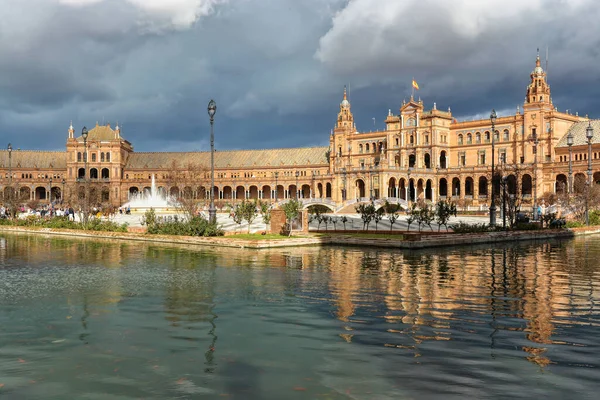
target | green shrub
[
  {"x": 94, "y": 224},
  {"x": 594, "y": 217},
  {"x": 463, "y": 227},
  {"x": 197, "y": 226},
  {"x": 528, "y": 226},
  {"x": 575, "y": 224}
]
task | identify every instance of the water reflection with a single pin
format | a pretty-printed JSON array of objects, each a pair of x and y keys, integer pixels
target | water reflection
[{"x": 163, "y": 311}]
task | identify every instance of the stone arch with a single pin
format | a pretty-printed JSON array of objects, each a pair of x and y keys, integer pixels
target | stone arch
[
  {"x": 420, "y": 189},
  {"x": 443, "y": 160},
  {"x": 305, "y": 191},
  {"x": 579, "y": 183},
  {"x": 24, "y": 193},
  {"x": 412, "y": 160},
  {"x": 41, "y": 193},
  {"x": 81, "y": 173},
  {"x": 427, "y": 160},
  {"x": 456, "y": 187},
  {"x": 93, "y": 173},
  {"x": 227, "y": 192},
  {"x": 483, "y": 186},
  {"x": 266, "y": 192},
  {"x": 392, "y": 190},
  {"x": 320, "y": 190},
  {"x": 402, "y": 189},
  {"x": 428, "y": 190},
  {"x": 188, "y": 193},
  {"x": 443, "y": 187},
  {"x": 174, "y": 192},
  {"x": 328, "y": 190},
  {"x": 561, "y": 184},
  {"x": 253, "y": 192},
  {"x": 411, "y": 190},
  {"x": 105, "y": 194},
  {"x": 526, "y": 185},
  {"x": 511, "y": 185},
  {"x": 105, "y": 173},
  {"x": 469, "y": 186},
  {"x": 359, "y": 188},
  {"x": 596, "y": 178}
]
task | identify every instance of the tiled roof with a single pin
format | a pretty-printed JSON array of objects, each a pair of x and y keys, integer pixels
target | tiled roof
[
  {"x": 578, "y": 130},
  {"x": 100, "y": 132},
  {"x": 233, "y": 158},
  {"x": 34, "y": 159}
]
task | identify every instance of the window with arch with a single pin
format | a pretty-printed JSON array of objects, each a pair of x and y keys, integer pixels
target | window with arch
[
  {"x": 360, "y": 148},
  {"x": 101, "y": 157},
  {"x": 460, "y": 139},
  {"x": 397, "y": 142},
  {"x": 79, "y": 156},
  {"x": 367, "y": 147},
  {"x": 496, "y": 136},
  {"x": 93, "y": 157},
  {"x": 469, "y": 138},
  {"x": 412, "y": 139},
  {"x": 478, "y": 137},
  {"x": 505, "y": 135},
  {"x": 487, "y": 137},
  {"x": 108, "y": 157}
]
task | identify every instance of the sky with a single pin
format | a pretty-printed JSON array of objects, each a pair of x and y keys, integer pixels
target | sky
[{"x": 277, "y": 68}]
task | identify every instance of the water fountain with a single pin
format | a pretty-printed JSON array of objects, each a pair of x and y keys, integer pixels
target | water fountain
[{"x": 144, "y": 200}]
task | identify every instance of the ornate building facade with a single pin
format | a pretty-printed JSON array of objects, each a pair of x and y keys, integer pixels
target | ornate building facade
[{"x": 421, "y": 154}]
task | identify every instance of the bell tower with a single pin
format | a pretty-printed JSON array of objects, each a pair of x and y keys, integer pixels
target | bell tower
[
  {"x": 538, "y": 90},
  {"x": 345, "y": 120}
]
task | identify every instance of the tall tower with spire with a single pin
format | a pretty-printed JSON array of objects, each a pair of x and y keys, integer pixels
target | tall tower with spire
[
  {"x": 538, "y": 90},
  {"x": 345, "y": 120},
  {"x": 71, "y": 131}
]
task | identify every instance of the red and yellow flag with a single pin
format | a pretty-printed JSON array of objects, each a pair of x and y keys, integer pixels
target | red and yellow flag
[{"x": 415, "y": 84}]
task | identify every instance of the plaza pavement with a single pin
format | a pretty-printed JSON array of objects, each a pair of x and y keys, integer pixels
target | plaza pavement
[{"x": 354, "y": 223}]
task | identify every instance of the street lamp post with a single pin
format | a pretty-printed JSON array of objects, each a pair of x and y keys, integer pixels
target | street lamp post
[
  {"x": 84, "y": 135},
  {"x": 589, "y": 134},
  {"x": 212, "y": 212},
  {"x": 504, "y": 179},
  {"x": 50, "y": 191},
  {"x": 344, "y": 184},
  {"x": 10, "y": 188},
  {"x": 534, "y": 138},
  {"x": 62, "y": 192},
  {"x": 493, "y": 117},
  {"x": 570, "y": 144},
  {"x": 276, "y": 176},
  {"x": 297, "y": 190},
  {"x": 371, "y": 181}
]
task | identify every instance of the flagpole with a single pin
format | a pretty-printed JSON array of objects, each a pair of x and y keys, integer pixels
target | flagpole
[{"x": 412, "y": 94}]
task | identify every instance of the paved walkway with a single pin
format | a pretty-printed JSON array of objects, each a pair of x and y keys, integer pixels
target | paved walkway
[{"x": 354, "y": 223}]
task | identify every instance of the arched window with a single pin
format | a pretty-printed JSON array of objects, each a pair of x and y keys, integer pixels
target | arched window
[
  {"x": 93, "y": 157},
  {"x": 78, "y": 156},
  {"x": 469, "y": 138},
  {"x": 108, "y": 157},
  {"x": 460, "y": 139},
  {"x": 505, "y": 135},
  {"x": 367, "y": 147},
  {"x": 101, "y": 157},
  {"x": 478, "y": 137},
  {"x": 487, "y": 137},
  {"x": 360, "y": 148}
]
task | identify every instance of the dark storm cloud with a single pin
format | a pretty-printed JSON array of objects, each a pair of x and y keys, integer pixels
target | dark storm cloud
[{"x": 276, "y": 67}]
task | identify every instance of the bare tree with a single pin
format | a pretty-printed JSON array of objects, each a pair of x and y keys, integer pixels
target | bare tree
[
  {"x": 584, "y": 197},
  {"x": 511, "y": 196},
  {"x": 186, "y": 177},
  {"x": 12, "y": 198}
]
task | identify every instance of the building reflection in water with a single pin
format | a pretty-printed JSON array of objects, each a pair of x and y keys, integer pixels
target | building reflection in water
[{"x": 512, "y": 289}]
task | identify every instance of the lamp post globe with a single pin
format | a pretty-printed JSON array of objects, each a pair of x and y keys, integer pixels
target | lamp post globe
[
  {"x": 212, "y": 211},
  {"x": 493, "y": 117}
]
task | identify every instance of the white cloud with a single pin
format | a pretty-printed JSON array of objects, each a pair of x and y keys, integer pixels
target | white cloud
[{"x": 161, "y": 14}]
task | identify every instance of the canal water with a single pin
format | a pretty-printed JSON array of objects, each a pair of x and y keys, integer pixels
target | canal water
[{"x": 93, "y": 319}]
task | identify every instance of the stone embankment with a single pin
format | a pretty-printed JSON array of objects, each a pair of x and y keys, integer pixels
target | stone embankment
[{"x": 406, "y": 241}]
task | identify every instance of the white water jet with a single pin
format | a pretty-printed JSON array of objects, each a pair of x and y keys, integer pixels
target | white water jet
[{"x": 155, "y": 199}]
